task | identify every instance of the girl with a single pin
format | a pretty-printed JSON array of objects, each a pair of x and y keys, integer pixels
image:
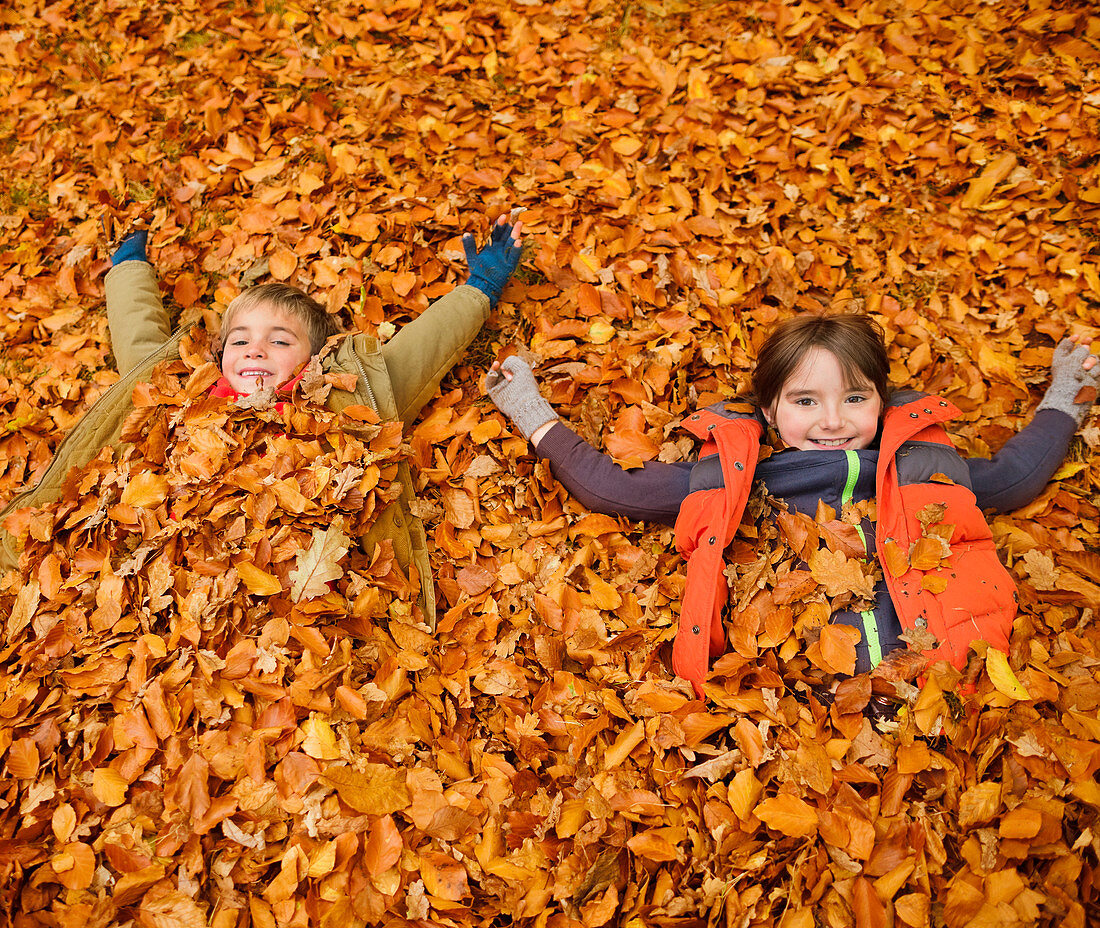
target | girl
[{"x": 843, "y": 436}]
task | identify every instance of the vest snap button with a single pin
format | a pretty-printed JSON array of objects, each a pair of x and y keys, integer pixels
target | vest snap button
[
  {"x": 914, "y": 415},
  {"x": 713, "y": 539},
  {"x": 929, "y": 411},
  {"x": 696, "y": 416},
  {"x": 695, "y": 629},
  {"x": 710, "y": 428},
  {"x": 943, "y": 402},
  {"x": 739, "y": 466},
  {"x": 921, "y": 623}
]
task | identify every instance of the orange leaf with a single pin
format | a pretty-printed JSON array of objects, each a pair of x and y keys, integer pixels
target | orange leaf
[
  {"x": 23, "y": 759},
  {"x": 258, "y": 582},
  {"x": 788, "y": 815},
  {"x": 927, "y": 553},
  {"x": 282, "y": 262},
  {"x": 444, "y": 877},
  {"x": 383, "y": 846},
  {"x": 145, "y": 490}
]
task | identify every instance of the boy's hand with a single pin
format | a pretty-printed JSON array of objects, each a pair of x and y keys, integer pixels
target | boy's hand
[
  {"x": 133, "y": 245},
  {"x": 1074, "y": 375},
  {"x": 491, "y": 267},
  {"x": 514, "y": 390}
]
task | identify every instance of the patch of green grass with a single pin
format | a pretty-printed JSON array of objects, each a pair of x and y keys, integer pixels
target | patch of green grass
[
  {"x": 139, "y": 191},
  {"x": 192, "y": 40},
  {"x": 23, "y": 196}
]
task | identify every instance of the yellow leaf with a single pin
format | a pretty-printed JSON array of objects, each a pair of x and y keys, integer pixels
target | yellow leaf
[
  {"x": 744, "y": 792},
  {"x": 63, "y": 822},
  {"x": 600, "y": 333},
  {"x": 982, "y": 185},
  {"x": 322, "y": 861},
  {"x": 1002, "y": 677},
  {"x": 624, "y": 744},
  {"x": 109, "y": 786},
  {"x": 626, "y": 145},
  {"x": 320, "y": 740},
  {"x": 604, "y": 595},
  {"x": 617, "y": 185},
  {"x": 1070, "y": 469},
  {"x": 256, "y": 581},
  {"x": 145, "y": 491},
  {"x": 485, "y": 430},
  {"x": 319, "y": 563},
  {"x": 995, "y": 364},
  {"x": 377, "y": 789}
]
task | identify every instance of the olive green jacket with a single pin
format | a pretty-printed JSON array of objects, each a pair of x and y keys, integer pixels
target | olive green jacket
[{"x": 396, "y": 379}]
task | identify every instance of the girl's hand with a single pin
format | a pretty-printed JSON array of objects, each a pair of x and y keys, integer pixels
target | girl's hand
[
  {"x": 1074, "y": 375},
  {"x": 515, "y": 392}
]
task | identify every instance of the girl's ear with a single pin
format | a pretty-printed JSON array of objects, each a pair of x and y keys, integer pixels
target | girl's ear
[{"x": 769, "y": 414}]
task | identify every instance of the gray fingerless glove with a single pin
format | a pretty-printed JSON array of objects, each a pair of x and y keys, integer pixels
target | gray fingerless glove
[
  {"x": 519, "y": 398},
  {"x": 1067, "y": 378}
]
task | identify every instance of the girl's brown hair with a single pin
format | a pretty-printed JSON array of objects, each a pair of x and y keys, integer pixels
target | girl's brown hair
[
  {"x": 855, "y": 340},
  {"x": 319, "y": 325}
]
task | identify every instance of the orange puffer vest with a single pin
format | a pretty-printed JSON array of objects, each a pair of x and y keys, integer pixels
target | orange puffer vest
[{"x": 977, "y": 598}]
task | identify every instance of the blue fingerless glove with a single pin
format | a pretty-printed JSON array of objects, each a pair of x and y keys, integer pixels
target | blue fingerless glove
[
  {"x": 131, "y": 248},
  {"x": 493, "y": 265}
]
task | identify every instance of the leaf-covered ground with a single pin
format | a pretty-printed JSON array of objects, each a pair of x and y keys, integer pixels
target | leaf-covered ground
[{"x": 195, "y": 732}]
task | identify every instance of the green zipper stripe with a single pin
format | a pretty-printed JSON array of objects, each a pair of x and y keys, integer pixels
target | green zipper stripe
[{"x": 870, "y": 625}]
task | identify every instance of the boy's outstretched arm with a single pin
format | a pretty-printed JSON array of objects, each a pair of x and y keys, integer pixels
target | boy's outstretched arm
[
  {"x": 1019, "y": 472},
  {"x": 419, "y": 355},
  {"x": 136, "y": 316}
]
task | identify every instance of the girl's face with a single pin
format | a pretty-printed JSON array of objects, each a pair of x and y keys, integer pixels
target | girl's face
[
  {"x": 815, "y": 411},
  {"x": 265, "y": 348}
]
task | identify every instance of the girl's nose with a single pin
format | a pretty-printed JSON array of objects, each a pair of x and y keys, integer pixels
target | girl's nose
[{"x": 831, "y": 417}]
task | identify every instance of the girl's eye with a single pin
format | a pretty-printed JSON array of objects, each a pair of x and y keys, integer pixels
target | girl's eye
[
  {"x": 803, "y": 401},
  {"x": 857, "y": 398}
]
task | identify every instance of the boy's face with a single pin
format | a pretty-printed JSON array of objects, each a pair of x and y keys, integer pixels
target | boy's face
[
  {"x": 817, "y": 411},
  {"x": 264, "y": 348}
]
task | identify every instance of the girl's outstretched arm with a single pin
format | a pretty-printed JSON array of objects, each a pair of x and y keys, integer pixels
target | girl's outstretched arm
[
  {"x": 1019, "y": 472},
  {"x": 651, "y": 493}
]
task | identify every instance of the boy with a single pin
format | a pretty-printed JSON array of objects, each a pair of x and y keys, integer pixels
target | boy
[{"x": 268, "y": 334}]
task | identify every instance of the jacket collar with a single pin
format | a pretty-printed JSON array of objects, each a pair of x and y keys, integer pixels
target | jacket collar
[{"x": 909, "y": 413}]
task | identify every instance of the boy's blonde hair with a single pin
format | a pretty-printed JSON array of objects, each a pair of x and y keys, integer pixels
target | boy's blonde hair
[{"x": 319, "y": 325}]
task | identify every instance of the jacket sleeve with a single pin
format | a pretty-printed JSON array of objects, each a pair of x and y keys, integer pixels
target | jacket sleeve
[
  {"x": 136, "y": 316},
  {"x": 651, "y": 493},
  {"x": 419, "y": 355},
  {"x": 1019, "y": 472}
]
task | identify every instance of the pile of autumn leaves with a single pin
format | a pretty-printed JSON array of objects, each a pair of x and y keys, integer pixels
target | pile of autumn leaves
[{"x": 221, "y": 708}]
